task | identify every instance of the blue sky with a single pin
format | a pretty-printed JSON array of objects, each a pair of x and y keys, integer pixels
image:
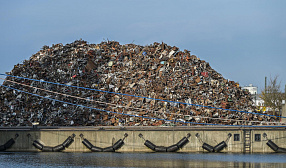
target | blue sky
[{"x": 244, "y": 40}]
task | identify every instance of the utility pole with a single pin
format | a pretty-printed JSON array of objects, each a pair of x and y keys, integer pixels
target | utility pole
[{"x": 266, "y": 85}]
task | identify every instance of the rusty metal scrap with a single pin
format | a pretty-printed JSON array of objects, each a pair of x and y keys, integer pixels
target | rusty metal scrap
[{"x": 157, "y": 71}]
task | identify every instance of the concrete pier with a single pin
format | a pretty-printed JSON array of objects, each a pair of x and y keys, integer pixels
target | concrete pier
[{"x": 243, "y": 139}]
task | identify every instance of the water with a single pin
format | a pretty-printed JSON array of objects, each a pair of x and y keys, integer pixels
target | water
[{"x": 197, "y": 160}]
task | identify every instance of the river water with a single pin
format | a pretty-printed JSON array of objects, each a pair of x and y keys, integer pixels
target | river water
[{"x": 199, "y": 160}]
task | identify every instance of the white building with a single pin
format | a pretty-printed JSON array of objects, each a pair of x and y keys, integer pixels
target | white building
[
  {"x": 252, "y": 89},
  {"x": 255, "y": 96}
]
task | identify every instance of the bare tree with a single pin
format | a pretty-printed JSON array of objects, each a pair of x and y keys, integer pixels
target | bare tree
[{"x": 272, "y": 95}]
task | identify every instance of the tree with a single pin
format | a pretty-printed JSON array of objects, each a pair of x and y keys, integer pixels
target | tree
[{"x": 272, "y": 95}]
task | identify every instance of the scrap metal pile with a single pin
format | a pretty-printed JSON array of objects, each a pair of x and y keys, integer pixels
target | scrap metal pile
[{"x": 155, "y": 71}]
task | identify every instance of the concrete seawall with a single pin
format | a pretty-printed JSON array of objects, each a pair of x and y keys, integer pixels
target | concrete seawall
[{"x": 160, "y": 136}]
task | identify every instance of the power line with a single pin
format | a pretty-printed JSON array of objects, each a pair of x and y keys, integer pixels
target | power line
[
  {"x": 107, "y": 111},
  {"x": 141, "y": 109},
  {"x": 143, "y": 97}
]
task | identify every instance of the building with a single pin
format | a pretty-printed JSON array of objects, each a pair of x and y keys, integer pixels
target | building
[
  {"x": 255, "y": 96},
  {"x": 252, "y": 89}
]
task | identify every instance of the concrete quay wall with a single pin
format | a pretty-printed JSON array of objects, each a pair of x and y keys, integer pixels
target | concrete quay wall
[{"x": 160, "y": 136}]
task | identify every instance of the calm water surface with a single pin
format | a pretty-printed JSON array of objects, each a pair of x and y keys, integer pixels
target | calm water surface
[{"x": 25, "y": 159}]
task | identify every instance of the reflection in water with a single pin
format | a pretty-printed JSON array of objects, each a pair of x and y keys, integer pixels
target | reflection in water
[{"x": 196, "y": 160}]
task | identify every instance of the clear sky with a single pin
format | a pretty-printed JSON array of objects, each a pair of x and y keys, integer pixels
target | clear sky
[{"x": 244, "y": 40}]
